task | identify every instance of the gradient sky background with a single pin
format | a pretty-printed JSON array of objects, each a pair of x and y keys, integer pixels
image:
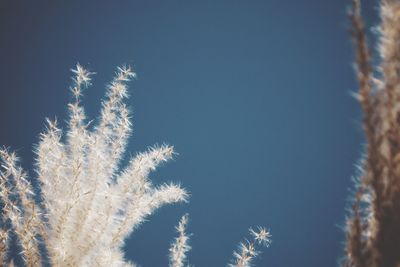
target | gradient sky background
[{"x": 254, "y": 95}]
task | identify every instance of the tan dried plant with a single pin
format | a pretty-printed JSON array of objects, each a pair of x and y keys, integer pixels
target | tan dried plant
[{"x": 373, "y": 227}]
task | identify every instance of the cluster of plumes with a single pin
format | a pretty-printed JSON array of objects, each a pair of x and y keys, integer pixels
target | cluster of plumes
[
  {"x": 373, "y": 228},
  {"x": 88, "y": 206}
]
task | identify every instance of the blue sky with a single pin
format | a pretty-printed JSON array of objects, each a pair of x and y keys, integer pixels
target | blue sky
[{"x": 254, "y": 95}]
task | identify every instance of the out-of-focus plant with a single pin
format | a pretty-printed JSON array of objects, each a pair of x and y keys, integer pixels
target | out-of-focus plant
[{"x": 373, "y": 227}]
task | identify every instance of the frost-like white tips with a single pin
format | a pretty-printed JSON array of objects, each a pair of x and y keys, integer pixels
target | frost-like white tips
[
  {"x": 262, "y": 236},
  {"x": 180, "y": 246},
  {"x": 90, "y": 205},
  {"x": 247, "y": 251},
  {"x": 170, "y": 193},
  {"x": 82, "y": 76},
  {"x": 19, "y": 207},
  {"x": 125, "y": 73}
]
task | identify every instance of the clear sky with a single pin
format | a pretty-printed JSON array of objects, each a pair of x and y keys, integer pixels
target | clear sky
[{"x": 254, "y": 95}]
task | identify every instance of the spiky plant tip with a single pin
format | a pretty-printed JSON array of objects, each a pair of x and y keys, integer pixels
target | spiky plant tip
[
  {"x": 180, "y": 246},
  {"x": 262, "y": 236},
  {"x": 245, "y": 255}
]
